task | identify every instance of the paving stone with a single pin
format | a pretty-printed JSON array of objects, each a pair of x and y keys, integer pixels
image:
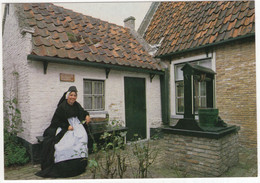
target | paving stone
[{"x": 247, "y": 167}]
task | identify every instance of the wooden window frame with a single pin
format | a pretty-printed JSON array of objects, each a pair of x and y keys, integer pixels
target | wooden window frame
[
  {"x": 93, "y": 95},
  {"x": 176, "y": 81}
]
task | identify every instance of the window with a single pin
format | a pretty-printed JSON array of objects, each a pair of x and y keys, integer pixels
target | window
[
  {"x": 94, "y": 99},
  {"x": 199, "y": 88},
  {"x": 179, "y": 84}
]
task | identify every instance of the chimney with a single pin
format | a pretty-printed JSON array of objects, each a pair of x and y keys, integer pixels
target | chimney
[{"x": 130, "y": 22}]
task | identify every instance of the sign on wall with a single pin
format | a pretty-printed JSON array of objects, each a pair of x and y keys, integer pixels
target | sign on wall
[{"x": 67, "y": 77}]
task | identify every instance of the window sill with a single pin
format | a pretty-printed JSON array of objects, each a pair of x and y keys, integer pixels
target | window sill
[
  {"x": 98, "y": 114},
  {"x": 181, "y": 117}
]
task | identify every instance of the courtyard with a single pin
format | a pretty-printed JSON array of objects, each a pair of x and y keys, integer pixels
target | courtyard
[{"x": 161, "y": 168}]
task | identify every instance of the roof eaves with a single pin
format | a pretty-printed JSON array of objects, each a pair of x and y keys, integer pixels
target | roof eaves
[
  {"x": 46, "y": 59},
  {"x": 205, "y": 46}
]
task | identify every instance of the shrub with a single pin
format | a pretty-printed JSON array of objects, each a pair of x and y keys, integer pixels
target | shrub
[
  {"x": 145, "y": 156},
  {"x": 14, "y": 152}
]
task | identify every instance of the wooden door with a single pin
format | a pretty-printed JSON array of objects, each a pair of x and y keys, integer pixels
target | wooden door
[{"x": 135, "y": 107}]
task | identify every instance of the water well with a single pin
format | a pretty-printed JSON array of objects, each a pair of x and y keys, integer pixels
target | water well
[{"x": 207, "y": 146}]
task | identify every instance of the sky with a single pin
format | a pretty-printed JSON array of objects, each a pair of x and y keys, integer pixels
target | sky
[{"x": 111, "y": 12}]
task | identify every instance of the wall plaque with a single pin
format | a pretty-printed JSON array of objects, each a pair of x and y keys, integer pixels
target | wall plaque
[{"x": 67, "y": 77}]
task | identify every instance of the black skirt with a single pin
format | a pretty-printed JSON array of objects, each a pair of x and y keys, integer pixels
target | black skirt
[{"x": 68, "y": 168}]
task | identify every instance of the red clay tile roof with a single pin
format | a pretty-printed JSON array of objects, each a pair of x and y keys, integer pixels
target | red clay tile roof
[
  {"x": 181, "y": 26},
  {"x": 62, "y": 33}
]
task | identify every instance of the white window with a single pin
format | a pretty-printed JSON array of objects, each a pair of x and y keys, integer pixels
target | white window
[
  {"x": 199, "y": 88},
  {"x": 94, "y": 98}
]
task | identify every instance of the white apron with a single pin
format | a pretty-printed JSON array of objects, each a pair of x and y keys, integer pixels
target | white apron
[{"x": 73, "y": 144}]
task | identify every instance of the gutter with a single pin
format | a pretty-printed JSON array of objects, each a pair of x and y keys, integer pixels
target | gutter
[
  {"x": 206, "y": 46},
  {"x": 47, "y": 60}
]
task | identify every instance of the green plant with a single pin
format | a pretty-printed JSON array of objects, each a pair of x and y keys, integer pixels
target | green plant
[
  {"x": 112, "y": 148},
  {"x": 108, "y": 168},
  {"x": 93, "y": 163},
  {"x": 113, "y": 161},
  {"x": 14, "y": 152},
  {"x": 145, "y": 156},
  {"x": 180, "y": 173}
]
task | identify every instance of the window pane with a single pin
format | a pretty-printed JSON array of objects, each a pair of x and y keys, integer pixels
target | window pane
[
  {"x": 180, "y": 89},
  {"x": 196, "y": 88},
  {"x": 93, "y": 95},
  {"x": 199, "y": 95},
  {"x": 98, "y": 88},
  {"x": 98, "y": 102},
  {"x": 87, "y": 102},
  {"x": 199, "y": 87},
  {"x": 203, "y": 102},
  {"x": 203, "y": 88},
  {"x": 178, "y": 72},
  {"x": 87, "y": 87},
  {"x": 180, "y": 103}
]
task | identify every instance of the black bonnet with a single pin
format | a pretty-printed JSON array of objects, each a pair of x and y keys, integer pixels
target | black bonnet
[{"x": 73, "y": 89}]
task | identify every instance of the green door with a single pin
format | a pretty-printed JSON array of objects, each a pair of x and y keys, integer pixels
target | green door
[{"x": 135, "y": 107}]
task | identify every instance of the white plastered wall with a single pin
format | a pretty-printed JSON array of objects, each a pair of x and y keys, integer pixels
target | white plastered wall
[
  {"x": 46, "y": 90},
  {"x": 16, "y": 46}
]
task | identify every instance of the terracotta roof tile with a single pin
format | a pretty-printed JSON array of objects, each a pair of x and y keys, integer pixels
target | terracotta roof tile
[
  {"x": 188, "y": 24},
  {"x": 41, "y": 32},
  {"x": 62, "y": 53},
  {"x": 59, "y": 32}
]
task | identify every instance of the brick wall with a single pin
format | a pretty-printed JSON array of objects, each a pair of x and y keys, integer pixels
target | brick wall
[
  {"x": 236, "y": 88},
  {"x": 235, "y": 65},
  {"x": 201, "y": 156}
]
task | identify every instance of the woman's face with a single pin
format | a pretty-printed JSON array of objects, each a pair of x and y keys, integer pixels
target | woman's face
[{"x": 72, "y": 98}]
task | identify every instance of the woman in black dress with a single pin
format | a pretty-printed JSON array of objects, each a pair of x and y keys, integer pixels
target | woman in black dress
[{"x": 65, "y": 138}]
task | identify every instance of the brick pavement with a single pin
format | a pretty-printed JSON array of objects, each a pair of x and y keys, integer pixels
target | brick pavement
[{"x": 247, "y": 167}]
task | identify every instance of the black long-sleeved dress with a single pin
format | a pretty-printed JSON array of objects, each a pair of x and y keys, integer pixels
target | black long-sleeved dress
[{"x": 68, "y": 168}]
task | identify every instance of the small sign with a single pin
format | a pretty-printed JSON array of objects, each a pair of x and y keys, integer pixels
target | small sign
[{"x": 67, "y": 77}]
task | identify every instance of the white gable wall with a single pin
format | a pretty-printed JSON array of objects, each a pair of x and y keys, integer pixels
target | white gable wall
[{"x": 16, "y": 47}]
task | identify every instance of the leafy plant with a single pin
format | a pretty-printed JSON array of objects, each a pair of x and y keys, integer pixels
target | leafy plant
[
  {"x": 14, "y": 152},
  {"x": 111, "y": 148},
  {"x": 93, "y": 163},
  {"x": 108, "y": 167},
  {"x": 145, "y": 156}
]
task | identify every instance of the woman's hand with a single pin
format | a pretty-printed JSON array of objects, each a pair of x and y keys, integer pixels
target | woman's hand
[
  {"x": 87, "y": 119},
  {"x": 70, "y": 128}
]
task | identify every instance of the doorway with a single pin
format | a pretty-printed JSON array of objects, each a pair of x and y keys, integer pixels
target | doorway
[{"x": 135, "y": 107}]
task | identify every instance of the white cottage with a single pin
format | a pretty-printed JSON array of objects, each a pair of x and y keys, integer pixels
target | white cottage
[{"x": 50, "y": 48}]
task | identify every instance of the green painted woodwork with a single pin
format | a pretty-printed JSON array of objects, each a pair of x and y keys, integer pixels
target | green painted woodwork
[
  {"x": 47, "y": 60},
  {"x": 208, "y": 117},
  {"x": 135, "y": 107},
  {"x": 164, "y": 84},
  {"x": 199, "y": 73}
]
